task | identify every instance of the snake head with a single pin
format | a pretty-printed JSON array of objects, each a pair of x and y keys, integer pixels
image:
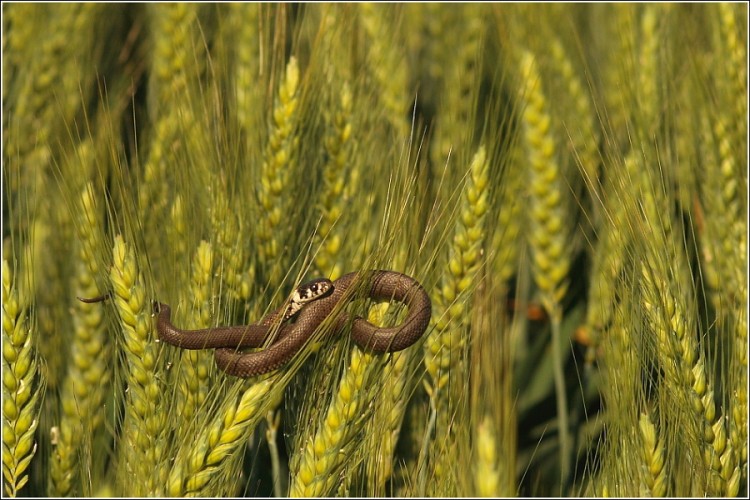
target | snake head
[
  {"x": 158, "y": 307},
  {"x": 307, "y": 292}
]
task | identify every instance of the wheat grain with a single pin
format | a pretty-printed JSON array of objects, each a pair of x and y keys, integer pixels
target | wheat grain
[
  {"x": 176, "y": 62},
  {"x": 507, "y": 230},
  {"x": 434, "y": 45},
  {"x": 734, "y": 65},
  {"x": 385, "y": 428},
  {"x": 608, "y": 261},
  {"x": 619, "y": 60},
  {"x": 48, "y": 283},
  {"x": 176, "y": 234},
  {"x": 464, "y": 35},
  {"x": 738, "y": 414},
  {"x": 547, "y": 233},
  {"x": 174, "y": 51},
  {"x": 395, "y": 383},
  {"x": 47, "y": 83},
  {"x": 228, "y": 235},
  {"x": 649, "y": 65},
  {"x": 671, "y": 314},
  {"x": 578, "y": 120}
]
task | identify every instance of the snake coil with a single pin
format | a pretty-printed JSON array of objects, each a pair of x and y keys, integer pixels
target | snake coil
[{"x": 313, "y": 303}]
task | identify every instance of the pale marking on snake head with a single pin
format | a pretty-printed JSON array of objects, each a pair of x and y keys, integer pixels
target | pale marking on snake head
[{"x": 306, "y": 293}]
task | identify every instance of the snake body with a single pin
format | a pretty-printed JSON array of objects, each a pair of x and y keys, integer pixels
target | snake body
[{"x": 317, "y": 306}]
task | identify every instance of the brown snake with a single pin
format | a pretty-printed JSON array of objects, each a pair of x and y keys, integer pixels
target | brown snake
[{"x": 291, "y": 337}]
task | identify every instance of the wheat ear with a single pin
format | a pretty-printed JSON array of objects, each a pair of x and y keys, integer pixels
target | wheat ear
[
  {"x": 245, "y": 18},
  {"x": 317, "y": 471},
  {"x": 486, "y": 473},
  {"x": 206, "y": 456},
  {"x": 145, "y": 416},
  {"x": 548, "y": 234},
  {"x": 85, "y": 384},
  {"x": 338, "y": 146},
  {"x": 653, "y": 456},
  {"x": 387, "y": 64},
  {"x": 277, "y": 173},
  {"x": 22, "y": 387},
  {"x": 445, "y": 344},
  {"x": 196, "y": 366}
]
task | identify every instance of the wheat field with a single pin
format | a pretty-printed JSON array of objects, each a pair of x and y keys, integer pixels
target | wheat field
[{"x": 567, "y": 181}]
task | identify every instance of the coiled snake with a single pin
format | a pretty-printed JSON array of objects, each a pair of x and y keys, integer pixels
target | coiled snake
[{"x": 314, "y": 302}]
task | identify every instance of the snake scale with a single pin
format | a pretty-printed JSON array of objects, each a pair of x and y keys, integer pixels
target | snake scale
[{"x": 292, "y": 336}]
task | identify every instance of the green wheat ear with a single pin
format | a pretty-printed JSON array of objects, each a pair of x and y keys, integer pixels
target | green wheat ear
[
  {"x": 653, "y": 456},
  {"x": 145, "y": 418},
  {"x": 195, "y": 368},
  {"x": 244, "y": 21},
  {"x": 277, "y": 176},
  {"x": 22, "y": 387},
  {"x": 548, "y": 232},
  {"x": 201, "y": 461},
  {"x": 317, "y": 471},
  {"x": 486, "y": 475},
  {"x": 387, "y": 64},
  {"x": 445, "y": 345},
  {"x": 333, "y": 199},
  {"x": 85, "y": 384}
]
